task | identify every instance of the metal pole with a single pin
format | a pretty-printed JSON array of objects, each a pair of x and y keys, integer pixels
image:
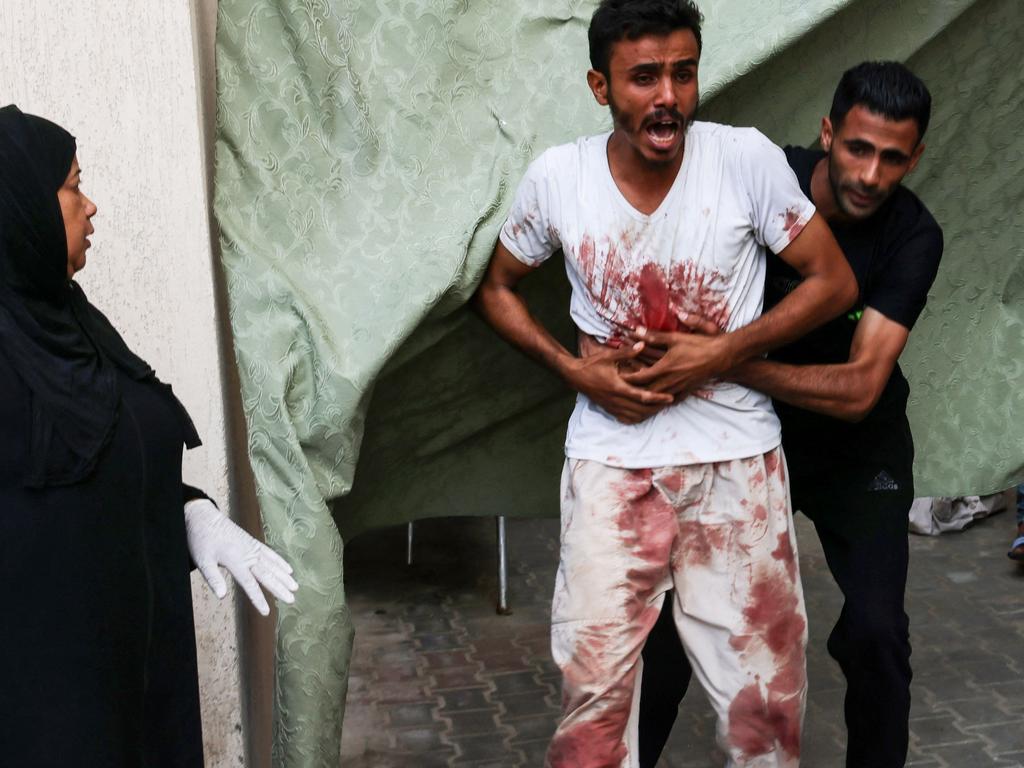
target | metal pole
[
  {"x": 408, "y": 544},
  {"x": 502, "y": 568}
]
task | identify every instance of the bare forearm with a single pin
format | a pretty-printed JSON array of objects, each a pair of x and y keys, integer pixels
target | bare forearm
[
  {"x": 841, "y": 391},
  {"x": 816, "y": 300},
  {"x": 508, "y": 314},
  {"x": 828, "y": 287}
]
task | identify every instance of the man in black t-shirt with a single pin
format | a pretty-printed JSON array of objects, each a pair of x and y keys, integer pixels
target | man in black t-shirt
[{"x": 842, "y": 401}]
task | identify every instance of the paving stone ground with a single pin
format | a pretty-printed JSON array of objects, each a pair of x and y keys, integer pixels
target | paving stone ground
[{"x": 438, "y": 679}]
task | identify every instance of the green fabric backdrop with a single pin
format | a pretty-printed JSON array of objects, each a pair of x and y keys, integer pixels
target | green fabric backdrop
[{"x": 366, "y": 154}]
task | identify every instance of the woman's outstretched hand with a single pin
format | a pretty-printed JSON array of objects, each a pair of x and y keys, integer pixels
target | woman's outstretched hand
[{"x": 214, "y": 540}]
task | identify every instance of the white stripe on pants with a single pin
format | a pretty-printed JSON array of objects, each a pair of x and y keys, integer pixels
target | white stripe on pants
[{"x": 722, "y": 535}]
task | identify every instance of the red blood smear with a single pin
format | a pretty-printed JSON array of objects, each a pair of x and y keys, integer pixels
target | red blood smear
[
  {"x": 596, "y": 737},
  {"x": 586, "y": 256},
  {"x": 792, "y": 224},
  {"x": 739, "y": 642},
  {"x": 591, "y": 744},
  {"x": 694, "y": 546},
  {"x": 646, "y": 527},
  {"x": 760, "y": 513},
  {"x": 698, "y": 541},
  {"x": 755, "y": 725},
  {"x": 784, "y": 697},
  {"x": 629, "y": 289},
  {"x": 784, "y": 552},
  {"x": 750, "y": 729},
  {"x": 655, "y": 310},
  {"x": 790, "y": 679},
  {"x": 775, "y": 465},
  {"x": 672, "y": 482},
  {"x": 772, "y": 614},
  {"x": 596, "y": 741}
]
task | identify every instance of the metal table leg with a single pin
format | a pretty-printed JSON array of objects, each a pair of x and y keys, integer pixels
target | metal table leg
[{"x": 502, "y": 568}]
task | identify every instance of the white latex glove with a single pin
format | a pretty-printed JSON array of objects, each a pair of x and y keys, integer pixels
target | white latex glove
[{"x": 214, "y": 540}]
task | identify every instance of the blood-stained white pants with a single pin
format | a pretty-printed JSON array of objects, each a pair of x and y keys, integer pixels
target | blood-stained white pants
[{"x": 722, "y": 535}]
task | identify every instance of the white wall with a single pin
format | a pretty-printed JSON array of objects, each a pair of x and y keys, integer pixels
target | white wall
[{"x": 123, "y": 80}]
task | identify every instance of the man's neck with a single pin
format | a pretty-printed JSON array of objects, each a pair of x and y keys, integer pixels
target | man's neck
[{"x": 644, "y": 184}]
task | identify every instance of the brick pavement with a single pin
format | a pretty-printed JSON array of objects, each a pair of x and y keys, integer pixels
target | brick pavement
[{"x": 439, "y": 680}]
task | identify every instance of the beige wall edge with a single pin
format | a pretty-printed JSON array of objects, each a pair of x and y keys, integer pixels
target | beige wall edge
[{"x": 137, "y": 90}]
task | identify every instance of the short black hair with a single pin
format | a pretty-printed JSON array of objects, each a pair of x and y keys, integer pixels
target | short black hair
[
  {"x": 886, "y": 88},
  {"x": 616, "y": 20}
]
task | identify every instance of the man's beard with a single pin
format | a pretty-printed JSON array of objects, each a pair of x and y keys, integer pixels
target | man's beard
[
  {"x": 659, "y": 115},
  {"x": 837, "y": 190}
]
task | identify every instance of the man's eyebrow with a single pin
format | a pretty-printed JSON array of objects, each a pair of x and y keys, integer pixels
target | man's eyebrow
[
  {"x": 895, "y": 154},
  {"x": 654, "y": 66},
  {"x": 891, "y": 152}
]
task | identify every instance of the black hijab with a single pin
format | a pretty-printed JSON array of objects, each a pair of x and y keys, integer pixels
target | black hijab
[{"x": 61, "y": 346}]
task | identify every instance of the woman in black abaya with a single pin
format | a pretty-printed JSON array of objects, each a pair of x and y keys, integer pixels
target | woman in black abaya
[{"x": 97, "y": 645}]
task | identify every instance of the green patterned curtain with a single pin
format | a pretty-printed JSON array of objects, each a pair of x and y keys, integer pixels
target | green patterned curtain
[{"x": 366, "y": 154}]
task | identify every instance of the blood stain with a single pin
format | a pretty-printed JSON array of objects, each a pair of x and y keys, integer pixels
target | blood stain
[
  {"x": 595, "y": 738},
  {"x": 672, "y": 482},
  {"x": 757, "y": 723},
  {"x": 750, "y": 729},
  {"x": 792, "y": 224},
  {"x": 771, "y": 613},
  {"x": 739, "y": 642},
  {"x": 630, "y": 290},
  {"x": 785, "y": 694},
  {"x": 590, "y": 743},
  {"x": 645, "y": 527},
  {"x": 698, "y": 541},
  {"x": 655, "y": 309},
  {"x": 784, "y": 552}
]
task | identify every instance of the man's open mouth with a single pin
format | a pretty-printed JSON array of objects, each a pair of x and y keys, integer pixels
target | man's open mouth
[{"x": 663, "y": 132}]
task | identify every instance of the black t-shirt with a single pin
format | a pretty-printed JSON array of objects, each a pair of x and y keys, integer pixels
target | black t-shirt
[{"x": 894, "y": 256}]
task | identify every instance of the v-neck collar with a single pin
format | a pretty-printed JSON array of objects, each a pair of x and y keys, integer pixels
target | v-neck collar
[{"x": 677, "y": 183}]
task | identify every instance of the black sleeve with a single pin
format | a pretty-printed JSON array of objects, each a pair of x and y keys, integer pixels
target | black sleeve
[
  {"x": 190, "y": 493},
  {"x": 900, "y": 288}
]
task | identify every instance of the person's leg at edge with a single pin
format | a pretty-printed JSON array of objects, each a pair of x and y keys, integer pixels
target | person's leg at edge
[
  {"x": 739, "y": 608},
  {"x": 617, "y": 533},
  {"x": 864, "y": 538},
  {"x": 1017, "y": 547},
  {"x": 666, "y": 676}
]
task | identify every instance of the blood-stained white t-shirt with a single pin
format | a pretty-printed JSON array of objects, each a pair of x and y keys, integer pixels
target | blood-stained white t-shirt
[{"x": 702, "y": 251}]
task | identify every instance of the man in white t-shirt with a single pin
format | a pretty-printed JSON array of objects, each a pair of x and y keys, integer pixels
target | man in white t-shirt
[{"x": 685, "y": 486}]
